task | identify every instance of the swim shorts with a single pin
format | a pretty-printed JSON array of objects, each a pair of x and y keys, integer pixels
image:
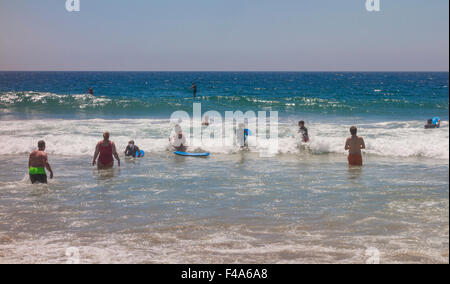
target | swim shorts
[
  {"x": 38, "y": 175},
  {"x": 355, "y": 160}
]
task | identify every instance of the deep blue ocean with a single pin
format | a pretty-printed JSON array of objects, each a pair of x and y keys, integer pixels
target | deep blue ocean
[{"x": 372, "y": 96}]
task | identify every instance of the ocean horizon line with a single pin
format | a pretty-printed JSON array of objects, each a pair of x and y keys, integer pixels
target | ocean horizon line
[{"x": 228, "y": 71}]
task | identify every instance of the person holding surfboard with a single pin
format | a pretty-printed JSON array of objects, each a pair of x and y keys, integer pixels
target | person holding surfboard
[
  {"x": 242, "y": 136},
  {"x": 132, "y": 150},
  {"x": 354, "y": 145},
  {"x": 433, "y": 123},
  {"x": 178, "y": 141}
]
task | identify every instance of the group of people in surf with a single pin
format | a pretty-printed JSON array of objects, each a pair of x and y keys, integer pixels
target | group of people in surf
[{"x": 105, "y": 151}]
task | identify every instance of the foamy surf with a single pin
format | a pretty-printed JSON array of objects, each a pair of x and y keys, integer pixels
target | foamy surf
[{"x": 79, "y": 137}]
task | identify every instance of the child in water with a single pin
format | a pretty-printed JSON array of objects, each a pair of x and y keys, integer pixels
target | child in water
[{"x": 303, "y": 131}]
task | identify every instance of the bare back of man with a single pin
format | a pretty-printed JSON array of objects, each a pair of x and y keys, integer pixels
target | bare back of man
[
  {"x": 38, "y": 159},
  {"x": 37, "y": 164}
]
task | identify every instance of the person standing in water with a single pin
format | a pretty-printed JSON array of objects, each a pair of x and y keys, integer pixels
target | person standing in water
[
  {"x": 37, "y": 164},
  {"x": 106, "y": 149},
  {"x": 194, "y": 89},
  {"x": 242, "y": 136},
  {"x": 91, "y": 91},
  {"x": 354, "y": 145},
  {"x": 178, "y": 141},
  {"x": 303, "y": 131}
]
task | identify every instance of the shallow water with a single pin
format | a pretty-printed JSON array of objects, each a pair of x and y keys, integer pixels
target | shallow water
[
  {"x": 303, "y": 204},
  {"x": 227, "y": 209}
]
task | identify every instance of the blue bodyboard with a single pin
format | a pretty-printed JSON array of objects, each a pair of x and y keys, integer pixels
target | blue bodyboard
[
  {"x": 435, "y": 120},
  {"x": 191, "y": 154}
]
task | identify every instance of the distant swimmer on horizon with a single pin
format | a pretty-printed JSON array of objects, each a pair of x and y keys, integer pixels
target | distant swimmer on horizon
[
  {"x": 37, "y": 164},
  {"x": 178, "y": 140},
  {"x": 354, "y": 145},
  {"x": 433, "y": 124},
  {"x": 194, "y": 89},
  {"x": 106, "y": 149},
  {"x": 132, "y": 150},
  {"x": 91, "y": 91},
  {"x": 303, "y": 131}
]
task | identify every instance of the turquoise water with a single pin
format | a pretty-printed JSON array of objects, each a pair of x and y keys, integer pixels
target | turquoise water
[{"x": 301, "y": 205}]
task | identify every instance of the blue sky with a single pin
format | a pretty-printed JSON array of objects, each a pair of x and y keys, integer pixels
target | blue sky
[{"x": 225, "y": 35}]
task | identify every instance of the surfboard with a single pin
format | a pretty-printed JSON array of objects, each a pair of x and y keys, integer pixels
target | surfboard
[
  {"x": 191, "y": 154},
  {"x": 142, "y": 154}
]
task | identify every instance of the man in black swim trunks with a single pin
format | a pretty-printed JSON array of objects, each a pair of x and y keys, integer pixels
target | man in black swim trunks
[
  {"x": 132, "y": 150},
  {"x": 37, "y": 164}
]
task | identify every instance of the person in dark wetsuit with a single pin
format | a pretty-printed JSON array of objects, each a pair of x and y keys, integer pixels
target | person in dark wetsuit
[
  {"x": 132, "y": 150},
  {"x": 37, "y": 164},
  {"x": 303, "y": 131},
  {"x": 194, "y": 89}
]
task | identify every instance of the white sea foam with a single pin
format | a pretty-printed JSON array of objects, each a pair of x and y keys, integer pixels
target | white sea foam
[{"x": 79, "y": 137}]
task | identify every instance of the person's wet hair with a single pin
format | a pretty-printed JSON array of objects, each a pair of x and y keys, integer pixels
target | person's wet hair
[
  {"x": 41, "y": 145},
  {"x": 131, "y": 142},
  {"x": 301, "y": 122},
  {"x": 353, "y": 130}
]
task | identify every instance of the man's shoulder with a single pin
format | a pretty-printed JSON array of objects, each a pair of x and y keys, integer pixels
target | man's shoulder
[{"x": 38, "y": 154}]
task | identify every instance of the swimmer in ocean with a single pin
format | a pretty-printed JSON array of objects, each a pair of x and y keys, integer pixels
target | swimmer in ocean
[
  {"x": 242, "y": 136},
  {"x": 430, "y": 124},
  {"x": 132, "y": 150},
  {"x": 178, "y": 141},
  {"x": 194, "y": 90},
  {"x": 303, "y": 131},
  {"x": 106, "y": 149},
  {"x": 205, "y": 121},
  {"x": 354, "y": 145},
  {"x": 37, "y": 164}
]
